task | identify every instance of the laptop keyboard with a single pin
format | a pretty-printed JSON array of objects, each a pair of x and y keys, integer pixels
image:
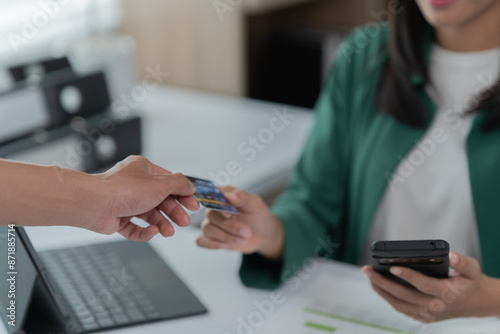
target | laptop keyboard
[{"x": 99, "y": 287}]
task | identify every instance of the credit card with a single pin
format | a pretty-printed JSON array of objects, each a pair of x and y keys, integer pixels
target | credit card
[{"x": 210, "y": 196}]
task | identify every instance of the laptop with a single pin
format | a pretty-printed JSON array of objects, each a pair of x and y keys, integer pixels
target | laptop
[{"x": 88, "y": 288}]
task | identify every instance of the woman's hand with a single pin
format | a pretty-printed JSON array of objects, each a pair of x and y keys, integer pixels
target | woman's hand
[
  {"x": 136, "y": 187},
  {"x": 256, "y": 229},
  {"x": 467, "y": 293}
]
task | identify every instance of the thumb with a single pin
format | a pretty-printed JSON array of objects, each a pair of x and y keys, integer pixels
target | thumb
[
  {"x": 467, "y": 266},
  {"x": 244, "y": 201}
]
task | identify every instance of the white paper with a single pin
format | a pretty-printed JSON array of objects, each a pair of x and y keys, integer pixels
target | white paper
[{"x": 342, "y": 302}]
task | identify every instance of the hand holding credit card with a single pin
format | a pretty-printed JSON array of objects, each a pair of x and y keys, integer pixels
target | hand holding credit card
[{"x": 210, "y": 196}]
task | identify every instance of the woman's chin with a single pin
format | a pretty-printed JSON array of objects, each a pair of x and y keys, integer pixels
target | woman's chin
[{"x": 454, "y": 13}]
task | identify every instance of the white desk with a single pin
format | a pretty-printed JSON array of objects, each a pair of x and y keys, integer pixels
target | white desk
[
  {"x": 211, "y": 275},
  {"x": 216, "y": 126},
  {"x": 195, "y": 133}
]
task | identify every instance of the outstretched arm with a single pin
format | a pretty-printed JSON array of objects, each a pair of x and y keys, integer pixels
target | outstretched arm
[{"x": 34, "y": 195}]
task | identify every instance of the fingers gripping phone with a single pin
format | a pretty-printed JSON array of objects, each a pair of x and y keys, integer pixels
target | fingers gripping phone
[{"x": 429, "y": 257}]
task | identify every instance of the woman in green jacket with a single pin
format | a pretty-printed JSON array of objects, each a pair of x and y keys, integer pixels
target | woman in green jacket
[{"x": 406, "y": 146}]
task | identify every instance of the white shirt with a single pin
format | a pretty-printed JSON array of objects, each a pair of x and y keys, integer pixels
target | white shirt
[{"x": 429, "y": 195}]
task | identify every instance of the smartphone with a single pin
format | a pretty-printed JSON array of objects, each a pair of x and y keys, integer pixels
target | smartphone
[
  {"x": 210, "y": 196},
  {"x": 429, "y": 257}
]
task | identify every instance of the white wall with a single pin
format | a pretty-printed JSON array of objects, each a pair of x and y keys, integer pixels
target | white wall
[
  {"x": 34, "y": 29},
  {"x": 188, "y": 39}
]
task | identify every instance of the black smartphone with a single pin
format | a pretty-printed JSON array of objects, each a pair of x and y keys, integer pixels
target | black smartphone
[{"x": 429, "y": 257}]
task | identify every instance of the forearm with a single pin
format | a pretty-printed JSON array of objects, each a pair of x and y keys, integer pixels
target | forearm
[{"x": 33, "y": 195}]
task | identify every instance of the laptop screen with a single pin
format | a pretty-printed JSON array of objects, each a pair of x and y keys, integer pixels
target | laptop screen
[{"x": 18, "y": 275}]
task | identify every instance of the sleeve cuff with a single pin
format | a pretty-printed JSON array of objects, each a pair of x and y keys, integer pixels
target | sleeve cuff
[
  {"x": 302, "y": 243},
  {"x": 258, "y": 272}
]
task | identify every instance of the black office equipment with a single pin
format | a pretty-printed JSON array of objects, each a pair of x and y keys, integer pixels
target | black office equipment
[
  {"x": 41, "y": 68},
  {"x": 68, "y": 95},
  {"x": 58, "y": 98},
  {"x": 94, "y": 144},
  {"x": 90, "y": 288},
  {"x": 121, "y": 138}
]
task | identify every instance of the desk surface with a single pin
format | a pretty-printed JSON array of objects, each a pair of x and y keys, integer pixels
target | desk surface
[
  {"x": 197, "y": 149},
  {"x": 197, "y": 133},
  {"x": 202, "y": 135},
  {"x": 210, "y": 136},
  {"x": 212, "y": 276}
]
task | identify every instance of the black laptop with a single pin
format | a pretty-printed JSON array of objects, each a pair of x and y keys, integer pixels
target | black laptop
[{"x": 86, "y": 289}]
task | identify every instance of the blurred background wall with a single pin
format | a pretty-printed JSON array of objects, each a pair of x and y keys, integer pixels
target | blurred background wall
[
  {"x": 239, "y": 47},
  {"x": 225, "y": 45},
  {"x": 187, "y": 38},
  {"x": 67, "y": 65},
  {"x": 34, "y": 29}
]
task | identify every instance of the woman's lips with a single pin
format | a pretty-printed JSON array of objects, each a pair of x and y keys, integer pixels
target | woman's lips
[{"x": 441, "y": 3}]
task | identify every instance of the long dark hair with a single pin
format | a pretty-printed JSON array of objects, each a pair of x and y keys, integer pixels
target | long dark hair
[{"x": 396, "y": 95}]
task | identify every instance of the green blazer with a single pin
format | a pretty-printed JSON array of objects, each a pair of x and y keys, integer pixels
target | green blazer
[{"x": 352, "y": 153}]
